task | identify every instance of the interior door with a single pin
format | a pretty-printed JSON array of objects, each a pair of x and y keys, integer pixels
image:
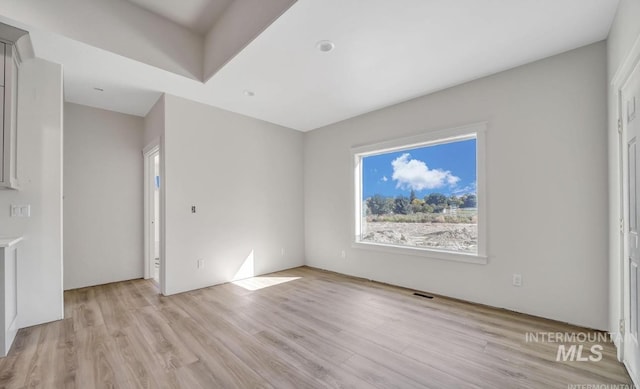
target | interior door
[
  {"x": 152, "y": 217},
  {"x": 630, "y": 101},
  {"x": 156, "y": 218}
]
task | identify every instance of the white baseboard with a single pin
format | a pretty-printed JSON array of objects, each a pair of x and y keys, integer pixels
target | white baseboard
[{"x": 617, "y": 342}]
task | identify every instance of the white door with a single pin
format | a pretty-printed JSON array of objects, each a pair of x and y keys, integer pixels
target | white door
[
  {"x": 152, "y": 236},
  {"x": 631, "y": 121},
  {"x": 155, "y": 266}
]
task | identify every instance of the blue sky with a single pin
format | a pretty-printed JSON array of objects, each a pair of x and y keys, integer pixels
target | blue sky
[{"x": 446, "y": 168}]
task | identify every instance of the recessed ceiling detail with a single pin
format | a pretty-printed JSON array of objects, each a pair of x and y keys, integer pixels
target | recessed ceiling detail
[
  {"x": 389, "y": 51},
  {"x": 196, "y": 15}
]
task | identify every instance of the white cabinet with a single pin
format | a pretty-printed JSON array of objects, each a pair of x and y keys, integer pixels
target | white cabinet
[
  {"x": 2, "y": 50},
  {"x": 8, "y": 293},
  {"x": 8, "y": 117},
  {"x": 11, "y": 38}
]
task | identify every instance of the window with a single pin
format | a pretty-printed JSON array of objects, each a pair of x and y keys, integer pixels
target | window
[{"x": 423, "y": 195}]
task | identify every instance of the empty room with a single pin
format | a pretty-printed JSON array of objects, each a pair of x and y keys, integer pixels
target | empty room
[{"x": 319, "y": 194}]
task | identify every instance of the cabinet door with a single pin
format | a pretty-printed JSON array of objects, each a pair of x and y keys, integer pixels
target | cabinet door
[
  {"x": 8, "y": 118},
  {"x": 11, "y": 109},
  {"x": 4, "y": 156},
  {"x": 9, "y": 177},
  {"x": 2, "y": 62}
]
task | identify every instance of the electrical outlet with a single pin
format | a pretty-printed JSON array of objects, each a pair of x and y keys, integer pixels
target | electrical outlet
[
  {"x": 20, "y": 211},
  {"x": 282, "y": 251},
  {"x": 200, "y": 263},
  {"x": 343, "y": 254},
  {"x": 517, "y": 280}
]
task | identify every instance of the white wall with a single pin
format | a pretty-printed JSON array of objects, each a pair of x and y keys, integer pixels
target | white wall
[
  {"x": 245, "y": 178},
  {"x": 40, "y": 126},
  {"x": 103, "y": 201},
  {"x": 624, "y": 32},
  {"x": 546, "y": 148},
  {"x": 154, "y": 122}
]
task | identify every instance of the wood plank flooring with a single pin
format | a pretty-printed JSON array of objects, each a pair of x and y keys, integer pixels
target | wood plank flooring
[{"x": 321, "y": 330}]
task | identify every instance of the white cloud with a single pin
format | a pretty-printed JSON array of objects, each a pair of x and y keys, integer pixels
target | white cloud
[
  {"x": 471, "y": 188},
  {"x": 384, "y": 179},
  {"x": 415, "y": 174}
]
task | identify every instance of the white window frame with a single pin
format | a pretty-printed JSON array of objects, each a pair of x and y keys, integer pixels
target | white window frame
[{"x": 431, "y": 138}]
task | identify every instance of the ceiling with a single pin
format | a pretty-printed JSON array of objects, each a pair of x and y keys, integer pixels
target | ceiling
[
  {"x": 385, "y": 52},
  {"x": 196, "y": 15}
]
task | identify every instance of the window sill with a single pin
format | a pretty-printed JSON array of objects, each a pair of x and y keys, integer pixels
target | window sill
[{"x": 420, "y": 252}]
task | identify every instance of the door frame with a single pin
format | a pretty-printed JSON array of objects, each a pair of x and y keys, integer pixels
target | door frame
[
  {"x": 627, "y": 69},
  {"x": 149, "y": 172}
]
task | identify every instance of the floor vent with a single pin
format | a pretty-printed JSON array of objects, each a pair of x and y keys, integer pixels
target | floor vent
[{"x": 423, "y": 295}]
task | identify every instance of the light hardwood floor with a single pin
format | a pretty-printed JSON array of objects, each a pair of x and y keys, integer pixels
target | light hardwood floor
[{"x": 320, "y": 330}]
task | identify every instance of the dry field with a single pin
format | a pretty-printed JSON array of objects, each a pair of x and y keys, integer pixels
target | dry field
[{"x": 443, "y": 236}]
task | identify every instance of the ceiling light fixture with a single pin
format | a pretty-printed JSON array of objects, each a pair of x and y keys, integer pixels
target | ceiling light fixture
[
  {"x": 248, "y": 93},
  {"x": 98, "y": 89},
  {"x": 325, "y": 46}
]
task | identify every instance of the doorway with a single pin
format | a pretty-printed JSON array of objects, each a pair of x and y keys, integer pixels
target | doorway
[
  {"x": 629, "y": 111},
  {"x": 152, "y": 189}
]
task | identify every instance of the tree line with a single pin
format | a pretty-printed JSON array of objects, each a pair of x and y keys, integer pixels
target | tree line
[{"x": 431, "y": 203}]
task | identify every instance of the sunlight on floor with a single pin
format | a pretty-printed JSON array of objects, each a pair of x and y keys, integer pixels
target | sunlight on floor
[{"x": 257, "y": 283}]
